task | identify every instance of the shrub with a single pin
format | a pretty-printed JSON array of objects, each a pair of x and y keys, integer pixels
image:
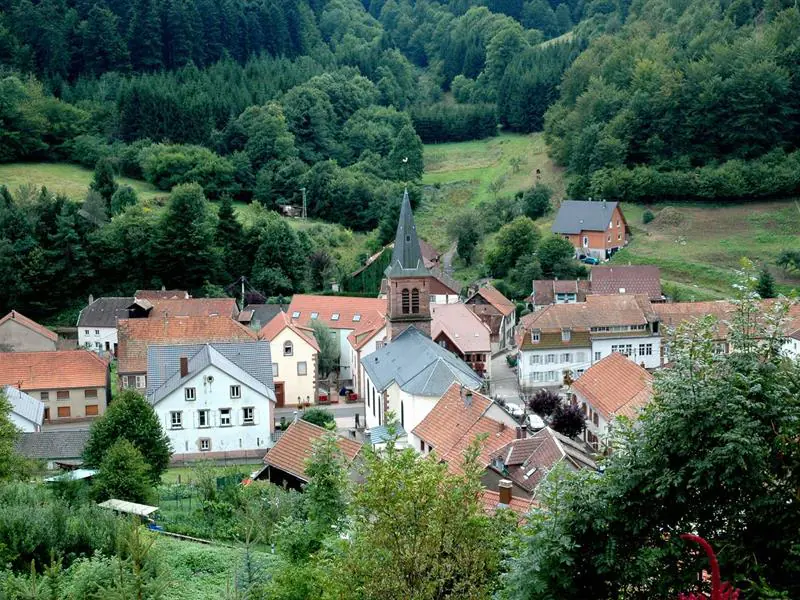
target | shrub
[
  {"x": 544, "y": 403},
  {"x": 647, "y": 217},
  {"x": 167, "y": 165},
  {"x": 319, "y": 416},
  {"x": 568, "y": 420}
]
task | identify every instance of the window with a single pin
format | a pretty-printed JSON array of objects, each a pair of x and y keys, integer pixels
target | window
[
  {"x": 176, "y": 419},
  {"x": 44, "y": 396},
  {"x": 609, "y": 238},
  {"x": 406, "y": 301},
  {"x": 566, "y": 335},
  {"x": 314, "y": 315},
  {"x": 141, "y": 381},
  {"x": 90, "y": 393},
  {"x": 356, "y": 318},
  {"x": 402, "y": 415},
  {"x": 296, "y": 314},
  {"x": 536, "y": 359},
  {"x": 125, "y": 383},
  {"x": 248, "y": 415},
  {"x": 415, "y": 301},
  {"x": 302, "y": 368},
  {"x": 97, "y": 332},
  {"x": 86, "y": 332},
  {"x": 62, "y": 394},
  {"x": 598, "y": 355},
  {"x": 566, "y": 357},
  {"x": 550, "y": 358},
  {"x": 46, "y": 413},
  {"x": 204, "y": 418},
  {"x": 596, "y": 420},
  {"x": 645, "y": 349},
  {"x": 274, "y": 369},
  {"x": 585, "y": 241},
  {"x": 626, "y": 349},
  {"x": 63, "y": 412},
  {"x": 236, "y": 391},
  {"x": 91, "y": 410},
  {"x": 535, "y": 336},
  {"x": 205, "y": 444},
  {"x": 421, "y": 446},
  {"x": 98, "y": 345},
  {"x": 581, "y": 372},
  {"x": 619, "y": 236},
  {"x": 190, "y": 394},
  {"x": 335, "y": 317},
  {"x": 617, "y": 222},
  {"x": 379, "y": 345},
  {"x": 288, "y": 349},
  {"x": 373, "y": 402},
  {"x": 537, "y": 376},
  {"x": 550, "y": 376},
  {"x": 225, "y": 417}
]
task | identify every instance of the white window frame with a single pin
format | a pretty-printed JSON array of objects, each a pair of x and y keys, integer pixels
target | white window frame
[
  {"x": 536, "y": 335},
  {"x": 222, "y": 415},
  {"x": 176, "y": 419},
  {"x": 598, "y": 356},
  {"x": 296, "y": 314},
  {"x": 97, "y": 332},
  {"x": 288, "y": 345},
  {"x": 251, "y": 419},
  {"x": 535, "y": 359},
  {"x": 335, "y": 317},
  {"x": 204, "y": 413},
  {"x": 143, "y": 379},
  {"x": 566, "y": 357},
  {"x": 190, "y": 394},
  {"x": 125, "y": 382},
  {"x": 566, "y": 335},
  {"x": 275, "y": 370},
  {"x": 236, "y": 391},
  {"x": 205, "y": 442},
  {"x": 550, "y": 359},
  {"x": 305, "y": 368},
  {"x": 85, "y": 332},
  {"x": 586, "y": 241},
  {"x": 645, "y": 349},
  {"x": 314, "y": 316}
]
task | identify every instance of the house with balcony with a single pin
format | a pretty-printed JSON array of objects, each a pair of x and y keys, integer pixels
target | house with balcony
[{"x": 597, "y": 229}]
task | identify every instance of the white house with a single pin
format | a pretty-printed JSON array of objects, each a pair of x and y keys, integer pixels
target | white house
[
  {"x": 294, "y": 353},
  {"x": 214, "y": 400},
  {"x": 408, "y": 376},
  {"x": 569, "y": 338},
  {"x": 97, "y": 323},
  {"x": 368, "y": 338},
  {"x": 27, "y": 413},
  {"x": 613, "y": 387}
]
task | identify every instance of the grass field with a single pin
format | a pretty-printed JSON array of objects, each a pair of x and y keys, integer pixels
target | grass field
[{"x": 64, "y": 178}]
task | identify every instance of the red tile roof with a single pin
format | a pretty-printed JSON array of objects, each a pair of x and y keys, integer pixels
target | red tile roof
[
  {"x": 615, "y": 386},
  {"x": 496, "y": 435},
  {"x": 295, "y": 446},
  {"x": 30, "y": 324},
  {"x": 52, "y": 370},
  {"x": 491, "y": 500},
  {"x": 461, "y": 326},
  {"x": 597, "y": 311},
  {"x": 632, "y": 279},
  {"x": 545, "y": 290},
  {"x": 496, "y": 299},
  {"x": 194, "y": 307},
  {"x": 326, "y": 307},
  {"x": 280, "y": 322},
  {"x": 676, "y": 313},
  {"x": 368, "y": 328},
  {"x": 135, "y": 335},
  {"x": 161, "y": 294}
]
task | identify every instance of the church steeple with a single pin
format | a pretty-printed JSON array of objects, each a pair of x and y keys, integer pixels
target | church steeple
[
  {"x": 409, "y": 280},
  {"x": 407, "y": 256}
]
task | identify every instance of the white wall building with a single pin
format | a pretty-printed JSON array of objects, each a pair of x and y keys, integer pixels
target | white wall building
[
  {"x": 294, "y": 353},
  {"x": 27, "y": 413},
  {"x": 208, "y": 404},
  {"x": 97, "y": 323}
]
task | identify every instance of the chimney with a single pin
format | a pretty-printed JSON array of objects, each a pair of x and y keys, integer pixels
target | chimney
[
  {"x": 184, "y": 366},
  {"x": 521, "y": 432},
  {"x": 468, "y": 398},
  {"x": 504, "y": 488}
]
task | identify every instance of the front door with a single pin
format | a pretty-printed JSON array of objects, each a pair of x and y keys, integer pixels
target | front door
[{"x": 279, "y": 394}]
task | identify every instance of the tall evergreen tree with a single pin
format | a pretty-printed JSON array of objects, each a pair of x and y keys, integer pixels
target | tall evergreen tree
[
  {"x": 230, "y": 238},
  {"x": 103, "y": 181},
  {"x": 69, "y": 264},
  {"x": 405, "y": 160},
  {"x": 103, "y": 47},
  {"x": 144, "y": 37}
]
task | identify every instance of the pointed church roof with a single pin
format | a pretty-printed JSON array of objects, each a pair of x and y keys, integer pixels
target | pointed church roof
[{"x": 406, "y": 256}]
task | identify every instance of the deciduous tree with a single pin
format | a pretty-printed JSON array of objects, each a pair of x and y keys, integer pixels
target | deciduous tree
[{"x": 123, "y": 474}]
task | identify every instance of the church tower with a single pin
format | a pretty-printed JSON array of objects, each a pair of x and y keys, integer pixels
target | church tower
[{"x": 409, "y": 280}]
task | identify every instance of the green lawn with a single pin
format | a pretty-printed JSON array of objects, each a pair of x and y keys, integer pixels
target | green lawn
[
  {"x": 185, "y": 473},
  {"x": 64, "y": 178},
  {"x": 699, "y": 246}
]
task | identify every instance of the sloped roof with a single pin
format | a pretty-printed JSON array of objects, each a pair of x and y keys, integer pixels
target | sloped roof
[
  {"x": 348, "y": 310},
  {"x": 461, "y": 326},
  {"x": 496, "y": 299},
  {"x": 597, "y": 311},
  {"x": 430, "y": 255},
  {"x": 545, "y": 290},
  {"x": 380, "y": 434},
  {"x": 208, "y": 356},
  {"x": 61, "y": 443},
  {"x": 280, "y": 322},
  {"x": 631, "y": 279},
  {"x": 135, "y": 335},
  {"x": 368, "y": 328},
  {"x": 104, "y": 312},
  {"x": 552, "y": 339},
  {"x": 194, "y": 307},
  {"x": 615, "y": 386},
  {"x": 160, "y": 294},
  {"x": 295, "y": 446},
  {"x": 491, "y": 503},
  {"x": 264, "y": 313},
  {"x": 24, "y": 405},
  {"x": 30, "y": 324},
  {"x": 418, "y": 365},
  {"x": 575, "y": 216},
  {"x": 50, "y": 370},
  {"x": 528, "y": 460},
  {"x": 674, "y": 314},
  {"x": 406, "y": 255}
]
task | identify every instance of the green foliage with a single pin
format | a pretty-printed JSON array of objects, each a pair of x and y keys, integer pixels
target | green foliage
[
  {"x": 517, "y": 238},
  {"x": 789, "y": 260},
  {"x": 130, "y": 417},
  {"x": 123, "y": 474},
  {"x": 328, "y": 342},
  {"x": 647, "y": 217},
  {"x": 124, "y": 197},
  {"x": 557, "y": 257},
  {"x": 568, "y": 420},
  {"x": 103, "y": 182},
  {"x": 602, "y": 537},
  {"x": 167, "y": 166},
  {"x": 12, "y": 465},
  {"x": 319, "y": 416},
  {"x": 536, "y": 201},
  {"x": 280, "y": 265},
  {"x": 454, "y": 122},
  {"x": 465, "y": 228},
  {"x": 766, "y": 284}
]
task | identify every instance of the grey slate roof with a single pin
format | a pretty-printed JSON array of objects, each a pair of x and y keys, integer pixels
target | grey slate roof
[
  {"x": 24, "y": 405},
  {"x": 104, "y": 312},
  {"x": 575, "y": 216},
  {"x": 249, "y": 363},
  {"x": 264, "y": 313},
  {"x": 419, "y": 365},
  {"x": 380, "y": 434},
  {"x": 64, "y": 444},
  {"x": 406, "y": 255}
]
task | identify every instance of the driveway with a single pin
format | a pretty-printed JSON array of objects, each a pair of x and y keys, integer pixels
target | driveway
[
  {"x": 343, "y": 413},
  {"x": 504, "y": 380}
]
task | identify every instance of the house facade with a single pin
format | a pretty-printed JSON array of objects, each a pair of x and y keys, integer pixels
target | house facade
[
  {"x": 595, "y": 229},
  {"x": 27, "y": 413},
  {"x": 567, "y": 339},
  {"x": 368, "y": 338},
  {"x": 211, "y": 405},
  {"x": 294, "y": 352},
  {"x": 497, "y": 312},
  {"x": 613, "y": 387},
  {"x": 73, "y": 385},
  {"x": 18, "y": 333},
  {"x": 457, "y": 329},
  {"x": 97, "y": 323}
]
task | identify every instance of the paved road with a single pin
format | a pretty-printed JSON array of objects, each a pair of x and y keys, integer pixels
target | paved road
[
  {"x": 504, "y": 380},
  {"x": 343, "y": 413}
]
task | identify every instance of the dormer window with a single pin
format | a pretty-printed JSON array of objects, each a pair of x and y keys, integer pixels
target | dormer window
[
  {"x": 356, "y": 318},
  {"x": 335, "y": 317},
  {"x": 566, "y": 335},
  {"x": 408, "y": 238},
  {"x": 296, "y": 314},
  {"x": 535, "y": 336},
  {"x": 314, "y": 315}
]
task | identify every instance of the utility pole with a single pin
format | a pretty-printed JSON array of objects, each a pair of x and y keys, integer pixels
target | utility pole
[
  {"x": 305, "y": 213},
  {"x": 242, "y": 280}
]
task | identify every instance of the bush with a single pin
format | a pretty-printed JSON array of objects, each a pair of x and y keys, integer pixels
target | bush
[
  {"x": 319, "y": 416},
  {"x": 647, "y": 217},
  {"x": 544, "y": 403},
  {"x": 123, "y": 474},
  {"x": 568, "y": 420},
  {"x": 167, "y": 165}
]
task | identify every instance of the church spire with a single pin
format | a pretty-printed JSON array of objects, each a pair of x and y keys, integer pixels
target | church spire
[{"x": 406, "y": 256}]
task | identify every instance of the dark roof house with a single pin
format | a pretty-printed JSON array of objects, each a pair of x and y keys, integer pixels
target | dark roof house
[
  {"x": 64, "y": 446},
  {"x": 104, "y": 312},
  {"x": 575, "y": 216},
  {"x": 407, "y": 258}
]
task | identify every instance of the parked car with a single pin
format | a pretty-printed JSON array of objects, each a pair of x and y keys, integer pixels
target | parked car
[{"x": 590, "y": 260}]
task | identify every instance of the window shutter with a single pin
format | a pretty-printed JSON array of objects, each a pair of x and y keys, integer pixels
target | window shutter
[
  {"x": 194, "y": 419},
  {"x": 255, "y": 416}
]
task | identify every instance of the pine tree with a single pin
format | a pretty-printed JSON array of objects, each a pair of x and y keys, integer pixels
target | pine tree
[
  {"x": 405, "y": 159},
  {"x": 144, "y": 38},
  {"x": 230, "y": 239},
  {"x": 103, "y": 181},
  {"x": 766, "y": 284},
  {"x": 69, "y": 265},
  {"x": 103, "y": 47}
]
